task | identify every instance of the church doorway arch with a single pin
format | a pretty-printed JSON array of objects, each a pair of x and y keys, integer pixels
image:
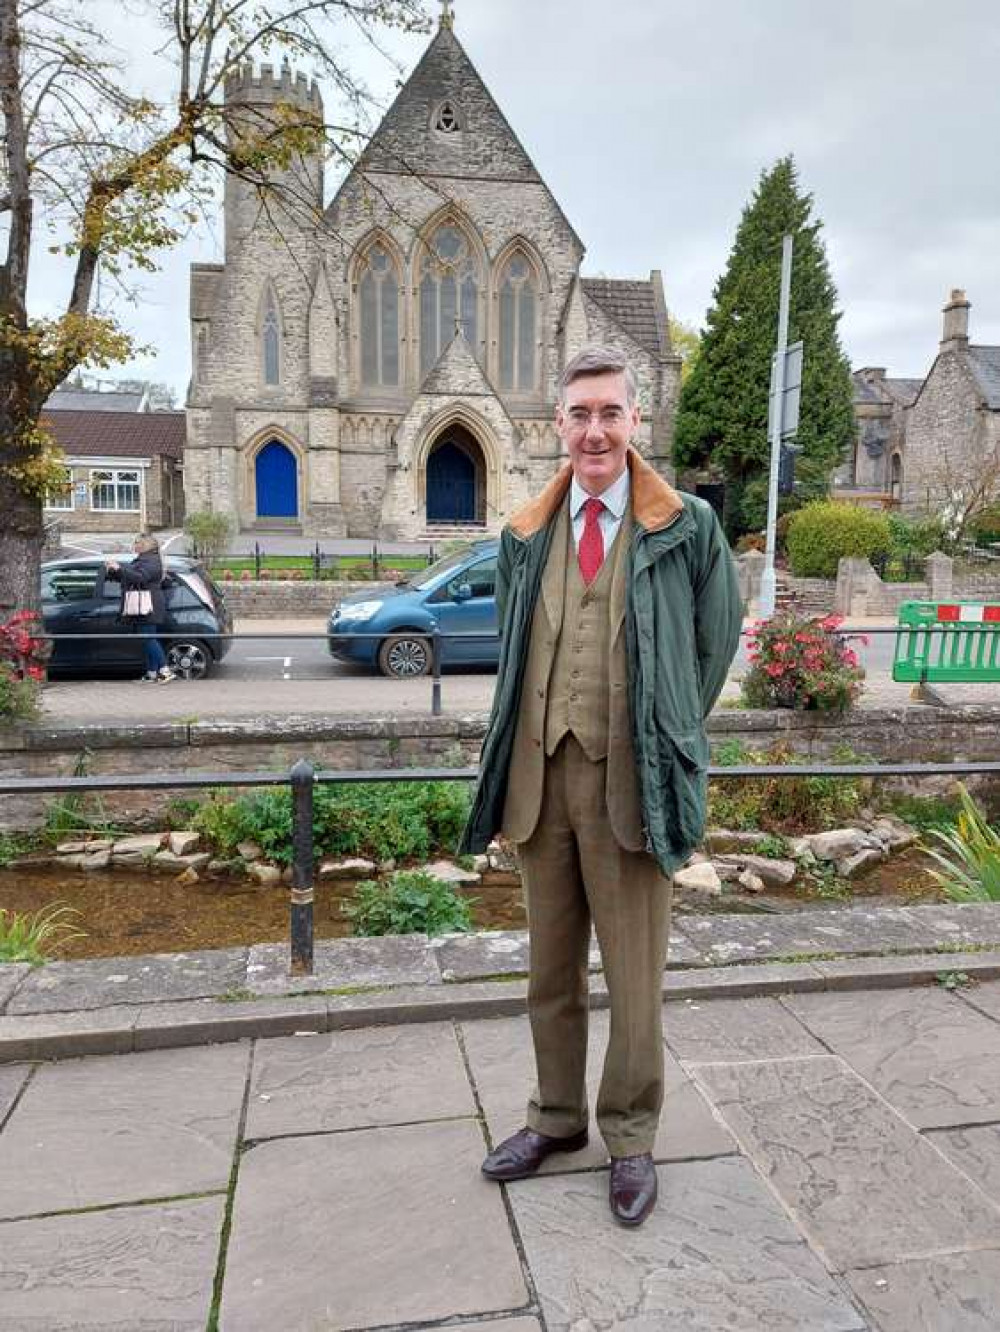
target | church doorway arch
[
  {"x": 276, "y": 478},
  {"x": 456, "y": 478}
]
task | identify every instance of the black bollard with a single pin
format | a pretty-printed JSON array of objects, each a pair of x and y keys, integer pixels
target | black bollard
[{"x": 301, "y": 907}]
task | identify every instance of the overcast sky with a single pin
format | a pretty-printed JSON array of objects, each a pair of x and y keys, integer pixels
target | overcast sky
[{"x": 651, "y": 120}]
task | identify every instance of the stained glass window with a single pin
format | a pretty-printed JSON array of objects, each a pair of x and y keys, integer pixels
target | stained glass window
[
  {"x": 378, "y": 297},
  {"x": 518, "y": 326},
  {"x": 449, "y": 293}
]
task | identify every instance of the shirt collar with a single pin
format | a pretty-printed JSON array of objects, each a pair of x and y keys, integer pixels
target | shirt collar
[{"x": 614, "y": 499}]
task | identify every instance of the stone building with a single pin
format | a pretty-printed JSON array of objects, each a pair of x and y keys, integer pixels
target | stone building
[
  {"x": 920, "y": 440},
  {"x": 953, "y": 426},
  {"x": 392, "y": 370}
]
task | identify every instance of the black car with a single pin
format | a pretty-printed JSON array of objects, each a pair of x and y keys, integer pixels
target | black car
[{"x": 80, "y": 598}]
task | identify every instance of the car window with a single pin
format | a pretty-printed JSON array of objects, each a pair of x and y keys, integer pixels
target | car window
[
  {"x": 70, "y": 582},
  {"x": 187, "y": 592},
  {"x": 481, "y": 577}
]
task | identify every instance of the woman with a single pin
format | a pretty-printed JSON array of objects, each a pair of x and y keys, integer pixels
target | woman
[{"x": 145, "y": 574}]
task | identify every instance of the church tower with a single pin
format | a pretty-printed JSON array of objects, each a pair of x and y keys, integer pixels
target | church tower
[{"x": 391, "y": 372}]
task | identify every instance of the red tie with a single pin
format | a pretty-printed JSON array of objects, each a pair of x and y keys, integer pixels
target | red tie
[{"x": 590, "y": 551}]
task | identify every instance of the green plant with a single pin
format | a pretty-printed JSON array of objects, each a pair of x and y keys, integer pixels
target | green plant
[
  {"x": 784, "y": 804},
  {"x": 730, "y": 753},
  {"x": 970, "y": 861},
  {"x": 821, "y": 533},
  {"x": 916, "y": 536},
  {"x": 380, "y": 820},
  {"x": 19, "y": 699},
  {"x": 410, "y": 902},
  {"x": 924, "y": 812},
  {"x": 12, "y": 845},
  {"x": 773, "y": 845},
  {"x": 954, "y": 980},
  {"x": 984, "y": 526},
  {"x": 801, "y": 663},
  {"x": 209, "y": 533},
  {"x": 30, "y": 937}
]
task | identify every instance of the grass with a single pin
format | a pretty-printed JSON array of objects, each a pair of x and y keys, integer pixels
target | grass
[
  {"x": 339, "y": 566},
  {"x": 31, "y": 937}
]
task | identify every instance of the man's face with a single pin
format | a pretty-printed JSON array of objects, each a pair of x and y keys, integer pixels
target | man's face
[{"x": 595, "y": 422}]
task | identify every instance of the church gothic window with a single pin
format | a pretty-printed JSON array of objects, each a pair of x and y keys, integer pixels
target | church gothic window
[
  {"x": 271, "y": 340},
  {"x": 378, "y": 298},
  {"x": 449, "y": 294},
  {"x": 518, "y": 325}
]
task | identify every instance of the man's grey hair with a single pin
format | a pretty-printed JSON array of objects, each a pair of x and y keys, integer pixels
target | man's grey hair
[
  {"x": 599, "y": 361},
  {"x": 144, "y": 542}
]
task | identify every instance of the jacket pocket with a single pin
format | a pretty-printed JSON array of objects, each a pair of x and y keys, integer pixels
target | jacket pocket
[{"x": 685, "y": 764}]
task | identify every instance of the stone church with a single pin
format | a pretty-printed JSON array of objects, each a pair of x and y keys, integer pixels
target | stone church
[{"x": 392, "y": 371}]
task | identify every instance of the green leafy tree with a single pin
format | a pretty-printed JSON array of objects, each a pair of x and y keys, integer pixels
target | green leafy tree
[
  {"x": 107, "y": 177},
  {"x": 686, "y": 342},
  {"x": 722, "y": 415}
]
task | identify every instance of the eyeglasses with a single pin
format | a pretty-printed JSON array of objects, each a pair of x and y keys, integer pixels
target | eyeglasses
[{"x": 608, "y": 418}]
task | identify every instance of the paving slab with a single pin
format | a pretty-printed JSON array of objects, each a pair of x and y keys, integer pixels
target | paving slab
[
  {"x": 100, "y": 982},
  {"x": 12, "y": 1079},
  {"x": 740, "y": 937},
  {"x": 976, "y": 1152},
  {"x": 344, "y": 964},
  {"x": 863, "y": 1187},
  {"x": 502, "y": 1061},
  {"x": 353, "y": 1230},
  {"x": 120, "y": 1128},
  {"x": 467, "y": 957},
  {"x": 984, "y": 997},
  {"x": 92, "y": 1031},
  {"x": 718, "y": 1252},
  {"x": 871, "y": 973},
  {"x": 203, "y": 1021},
  {"x": 502, "y": 1325},
  {"x": 115, "y": 1271},
  {"x": 12, "y": 975},
  {"x": 357, "y": 1079},
  {"x": 429, "y": 1003},
  {"x": 961, "y": 922},
  {"x": 951, "y": 1293},
  {"x": 742, "y": 980},
  {"x": 932, "y": 1057},
  {"x": 730, "y": 1030}
]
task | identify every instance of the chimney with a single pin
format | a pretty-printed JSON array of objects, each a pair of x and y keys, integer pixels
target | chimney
[{"x": 955, "y": 335}]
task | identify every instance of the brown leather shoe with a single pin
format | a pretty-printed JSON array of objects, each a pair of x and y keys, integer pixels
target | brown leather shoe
[
  {"x": 523, "y": 1152},
  {"x": 632, "y": 1188}
]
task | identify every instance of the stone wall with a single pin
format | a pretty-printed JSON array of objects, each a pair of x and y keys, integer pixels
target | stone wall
[
  {"x": 286, "y": 600},
  {"x": 908, "y": 734}
]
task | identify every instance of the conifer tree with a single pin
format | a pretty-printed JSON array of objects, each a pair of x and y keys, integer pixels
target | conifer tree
[{"x": 722, "y": 415}]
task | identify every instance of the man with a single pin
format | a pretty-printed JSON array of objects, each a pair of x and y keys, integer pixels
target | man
[{"x": 620, "y": 615}]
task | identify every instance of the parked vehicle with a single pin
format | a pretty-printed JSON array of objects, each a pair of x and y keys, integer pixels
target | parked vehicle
[
  {"x": 80, "y": 598},
  {"x": 457, "y": 595}
]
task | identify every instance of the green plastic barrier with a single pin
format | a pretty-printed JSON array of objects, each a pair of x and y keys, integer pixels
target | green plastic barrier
[{"x": 947, "y": 642}]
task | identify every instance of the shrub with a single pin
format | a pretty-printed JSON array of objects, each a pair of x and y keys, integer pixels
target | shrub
[
  {"x": 984, "y": 526},
  {"x": 916, "y": 536},
  {"x": 970, "y": 861},
  {"x": 411, "y": 902},
  {"x": 209, "y": 533},
  {"x": 801, "y": 663},
  {"x": 820, "y": 534},
  {"x": 751, "y": 541},
  {"x": 784, "y": 804},
  {"x": 23, "y": 655},
  {"x": 29, "y": 937},
  {"x": 383, "y": 821}
]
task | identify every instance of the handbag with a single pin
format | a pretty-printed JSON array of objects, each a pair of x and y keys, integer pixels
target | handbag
[{"x": 138, "y": 603}]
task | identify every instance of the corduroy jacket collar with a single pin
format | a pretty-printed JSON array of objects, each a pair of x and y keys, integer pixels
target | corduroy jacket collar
[{"x": 655, "y": 503}]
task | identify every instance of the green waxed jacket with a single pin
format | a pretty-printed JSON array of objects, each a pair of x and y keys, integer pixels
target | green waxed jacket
[{"x": 682, "y": 626}]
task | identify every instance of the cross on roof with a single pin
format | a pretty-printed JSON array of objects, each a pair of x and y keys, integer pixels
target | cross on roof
[{"x": 447, "y": 14}]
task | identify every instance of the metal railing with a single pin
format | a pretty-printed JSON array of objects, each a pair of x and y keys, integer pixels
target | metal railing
[{"x": 303, "y": 778}]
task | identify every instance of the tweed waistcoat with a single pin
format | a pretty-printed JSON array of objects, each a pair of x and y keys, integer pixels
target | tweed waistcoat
[
  {"x": 578, "y": 680},
  {"x": 523, "y": 797}
]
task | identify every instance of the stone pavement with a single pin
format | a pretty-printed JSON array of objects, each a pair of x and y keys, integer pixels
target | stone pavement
[{"x": 828, "y": 1151}]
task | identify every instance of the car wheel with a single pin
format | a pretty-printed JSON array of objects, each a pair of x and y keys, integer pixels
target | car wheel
[
  {"x": 404, "y": 656},
  {"x": 191, "y": 660}
]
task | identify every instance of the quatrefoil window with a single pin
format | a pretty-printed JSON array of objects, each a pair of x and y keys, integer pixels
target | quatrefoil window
[{"x": 447, "y": 120}]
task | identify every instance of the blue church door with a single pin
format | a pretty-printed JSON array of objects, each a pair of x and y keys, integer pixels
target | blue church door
[
  {"x": 451, "y": 485},
  {"x": 277, "y": 482}
]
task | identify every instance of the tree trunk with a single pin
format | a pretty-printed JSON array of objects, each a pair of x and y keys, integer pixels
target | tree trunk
[{"x": 21, "y": 536}]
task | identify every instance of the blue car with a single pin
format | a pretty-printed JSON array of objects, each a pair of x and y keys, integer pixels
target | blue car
[{"x": 457, "y": 595}]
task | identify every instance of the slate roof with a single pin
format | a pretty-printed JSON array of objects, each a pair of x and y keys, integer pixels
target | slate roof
[
  {"x": 985, "y": 364},
  {"x": 631, "y": 304},
  {"x": 73, "y": 399},
  {"x": 885, "y": 391},
  {"x": 117, "y": 434}
]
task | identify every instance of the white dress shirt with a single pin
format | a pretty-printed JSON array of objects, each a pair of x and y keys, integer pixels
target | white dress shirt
[{"x": 615, "y": 501}]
